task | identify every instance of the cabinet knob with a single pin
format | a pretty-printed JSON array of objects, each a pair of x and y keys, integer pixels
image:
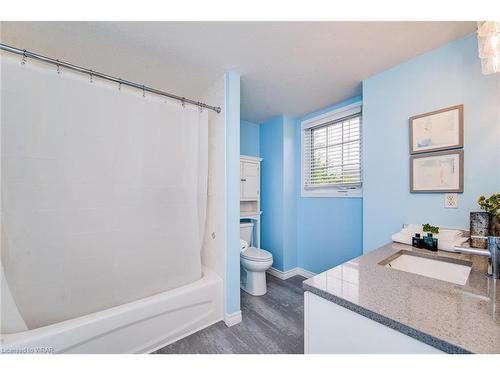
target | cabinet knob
[{"x": 243, "y": 179}]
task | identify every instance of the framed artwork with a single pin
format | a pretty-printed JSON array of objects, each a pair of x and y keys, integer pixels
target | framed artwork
[
  {"x": 438, "y": 130},
  {"x": 437, "y": 172}
]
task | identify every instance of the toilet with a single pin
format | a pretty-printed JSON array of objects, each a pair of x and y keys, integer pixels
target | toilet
[{"x": 254, "y": 263}]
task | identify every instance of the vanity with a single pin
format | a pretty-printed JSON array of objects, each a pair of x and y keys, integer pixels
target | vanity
[{"x": 400, "y": 299}]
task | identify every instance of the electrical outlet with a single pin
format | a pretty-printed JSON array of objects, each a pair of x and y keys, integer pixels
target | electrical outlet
[{"x": 451, "y": 200}]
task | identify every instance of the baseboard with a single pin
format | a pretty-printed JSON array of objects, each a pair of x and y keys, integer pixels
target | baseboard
[
  {"x": 283, "y": 275},
  {"x": 232, "y": 319},
  {"x": 305, "y": 273}
]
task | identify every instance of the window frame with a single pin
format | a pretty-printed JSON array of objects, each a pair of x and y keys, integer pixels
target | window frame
[{"x": 330, "y": 191}]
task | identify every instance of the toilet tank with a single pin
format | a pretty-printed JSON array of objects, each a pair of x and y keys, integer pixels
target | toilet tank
[{"x": 246, "y": 232}]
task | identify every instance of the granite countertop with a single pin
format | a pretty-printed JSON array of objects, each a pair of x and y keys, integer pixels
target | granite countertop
[{"x": 447, "y": 316}]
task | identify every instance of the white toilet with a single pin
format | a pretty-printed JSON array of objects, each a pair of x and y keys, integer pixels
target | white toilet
[{"x": 254, "y": 263}]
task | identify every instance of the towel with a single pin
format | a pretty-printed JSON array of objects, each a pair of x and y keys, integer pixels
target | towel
[
  {"x": 443, "y": 235},
  {"x": 447, "y": 238}
]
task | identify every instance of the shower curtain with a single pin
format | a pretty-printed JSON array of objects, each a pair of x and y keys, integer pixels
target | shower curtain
[{"x": 103, "y": 192}]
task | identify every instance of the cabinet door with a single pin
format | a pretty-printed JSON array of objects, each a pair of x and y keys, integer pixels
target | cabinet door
[
  {"x": 250, "y": 180},
  {"x": 333, "y": 329}
]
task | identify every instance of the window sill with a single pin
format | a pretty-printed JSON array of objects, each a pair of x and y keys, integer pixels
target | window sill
[{"x": 331, "y": 193}]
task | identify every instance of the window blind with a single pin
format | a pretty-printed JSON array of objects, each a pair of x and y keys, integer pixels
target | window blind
[{"x": 332, "y": 153}]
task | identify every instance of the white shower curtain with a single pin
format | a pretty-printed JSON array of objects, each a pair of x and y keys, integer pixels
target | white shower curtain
[{"x": 103, "y": 192}]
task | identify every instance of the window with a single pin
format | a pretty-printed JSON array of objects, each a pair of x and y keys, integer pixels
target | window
[{"x": 331, "y": 153}]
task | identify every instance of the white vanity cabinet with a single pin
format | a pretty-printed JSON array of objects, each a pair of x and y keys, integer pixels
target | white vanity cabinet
[
  {"x": 249, "y": 178},
  {"x": 333, "y": 329}
]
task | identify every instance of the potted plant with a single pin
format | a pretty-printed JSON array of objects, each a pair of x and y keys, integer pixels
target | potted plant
[
  {"x": 487, "y": 222},
  {"x": 430, "y": 228},
  {"x": 492, "y": 206}
]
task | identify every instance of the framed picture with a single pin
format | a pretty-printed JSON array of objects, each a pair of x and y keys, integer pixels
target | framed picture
[
  {"x": 439, "y": 130},
  {"x": 437, "y": 172}
]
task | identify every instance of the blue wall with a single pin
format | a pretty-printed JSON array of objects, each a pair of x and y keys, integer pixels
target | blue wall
[
  {"x": 278, "y": 191},
  {"x": 441, "y": 78},
  {"x": 271, "y": 186},
  {"x": 312, "y": 233},
  {"x": 289, "y": 193},
  {"x": 232, "y": 116},
  {"x": 249, "y": 138},
  {"x": 329, "y": 230}
]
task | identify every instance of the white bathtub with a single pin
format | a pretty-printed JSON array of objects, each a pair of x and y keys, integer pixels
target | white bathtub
[{"x": 141, "y": 326}]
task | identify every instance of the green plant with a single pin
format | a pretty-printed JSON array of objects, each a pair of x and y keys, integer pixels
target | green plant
[
  {"x": 430, "y": 228},
  {"x": 491, "y": 204}
]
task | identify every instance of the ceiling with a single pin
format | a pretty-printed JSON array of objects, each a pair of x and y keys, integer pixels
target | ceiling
[{"x": 286, "y": 67}]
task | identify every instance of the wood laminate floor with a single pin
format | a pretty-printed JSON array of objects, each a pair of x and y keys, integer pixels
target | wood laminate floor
[{"x": 272, "y": 324}]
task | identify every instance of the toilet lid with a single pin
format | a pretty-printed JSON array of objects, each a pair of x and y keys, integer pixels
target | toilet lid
[{"x": 253, "y": 253}]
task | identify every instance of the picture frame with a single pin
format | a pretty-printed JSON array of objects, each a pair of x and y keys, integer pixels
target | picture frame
[
  {"x": 437, "y": 130},
  {"x": 437, "y": 172}
]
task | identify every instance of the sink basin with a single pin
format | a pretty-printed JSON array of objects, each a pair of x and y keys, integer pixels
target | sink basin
[{"x": 437, "y": 267}]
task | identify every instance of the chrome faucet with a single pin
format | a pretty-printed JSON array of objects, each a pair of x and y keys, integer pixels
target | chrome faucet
[{"x": 493, "y": 252}]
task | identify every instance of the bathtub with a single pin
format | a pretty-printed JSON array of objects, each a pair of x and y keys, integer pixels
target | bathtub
[{"x": 141, "y": 326}]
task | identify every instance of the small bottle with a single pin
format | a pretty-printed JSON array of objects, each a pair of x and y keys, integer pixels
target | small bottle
[
  {"x": 434, "y": 244},
  {"x": 416, "y": 241},
  {"x": 430, "y": 242}
]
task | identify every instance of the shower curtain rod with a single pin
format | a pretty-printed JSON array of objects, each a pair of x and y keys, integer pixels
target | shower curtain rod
[{"x": 92, "y": 73}]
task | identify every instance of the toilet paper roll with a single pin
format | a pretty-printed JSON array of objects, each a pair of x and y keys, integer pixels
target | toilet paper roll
[{"x": 243, "y": 245}]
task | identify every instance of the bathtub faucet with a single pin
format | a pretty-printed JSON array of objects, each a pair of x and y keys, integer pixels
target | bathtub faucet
[{"x": 493, "y": 252}]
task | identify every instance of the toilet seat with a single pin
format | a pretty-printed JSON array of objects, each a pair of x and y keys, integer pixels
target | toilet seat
[{"x": 256, "y": 255}]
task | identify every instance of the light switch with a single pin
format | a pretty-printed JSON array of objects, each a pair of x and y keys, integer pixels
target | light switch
[{"x": 451, "y": 200}]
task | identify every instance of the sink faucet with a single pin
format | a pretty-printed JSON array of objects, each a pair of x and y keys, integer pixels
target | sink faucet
[{"x": 493, "y": 252}]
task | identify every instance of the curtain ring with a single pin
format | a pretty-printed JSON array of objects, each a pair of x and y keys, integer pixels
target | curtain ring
[
  {"x": 183, "y": 102},
  {"x": 25, "y": 58},
  {"x": 91, "y": 76},
  {"x": 143, "y": 92},
  {"x": 58, "y": 67}
]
